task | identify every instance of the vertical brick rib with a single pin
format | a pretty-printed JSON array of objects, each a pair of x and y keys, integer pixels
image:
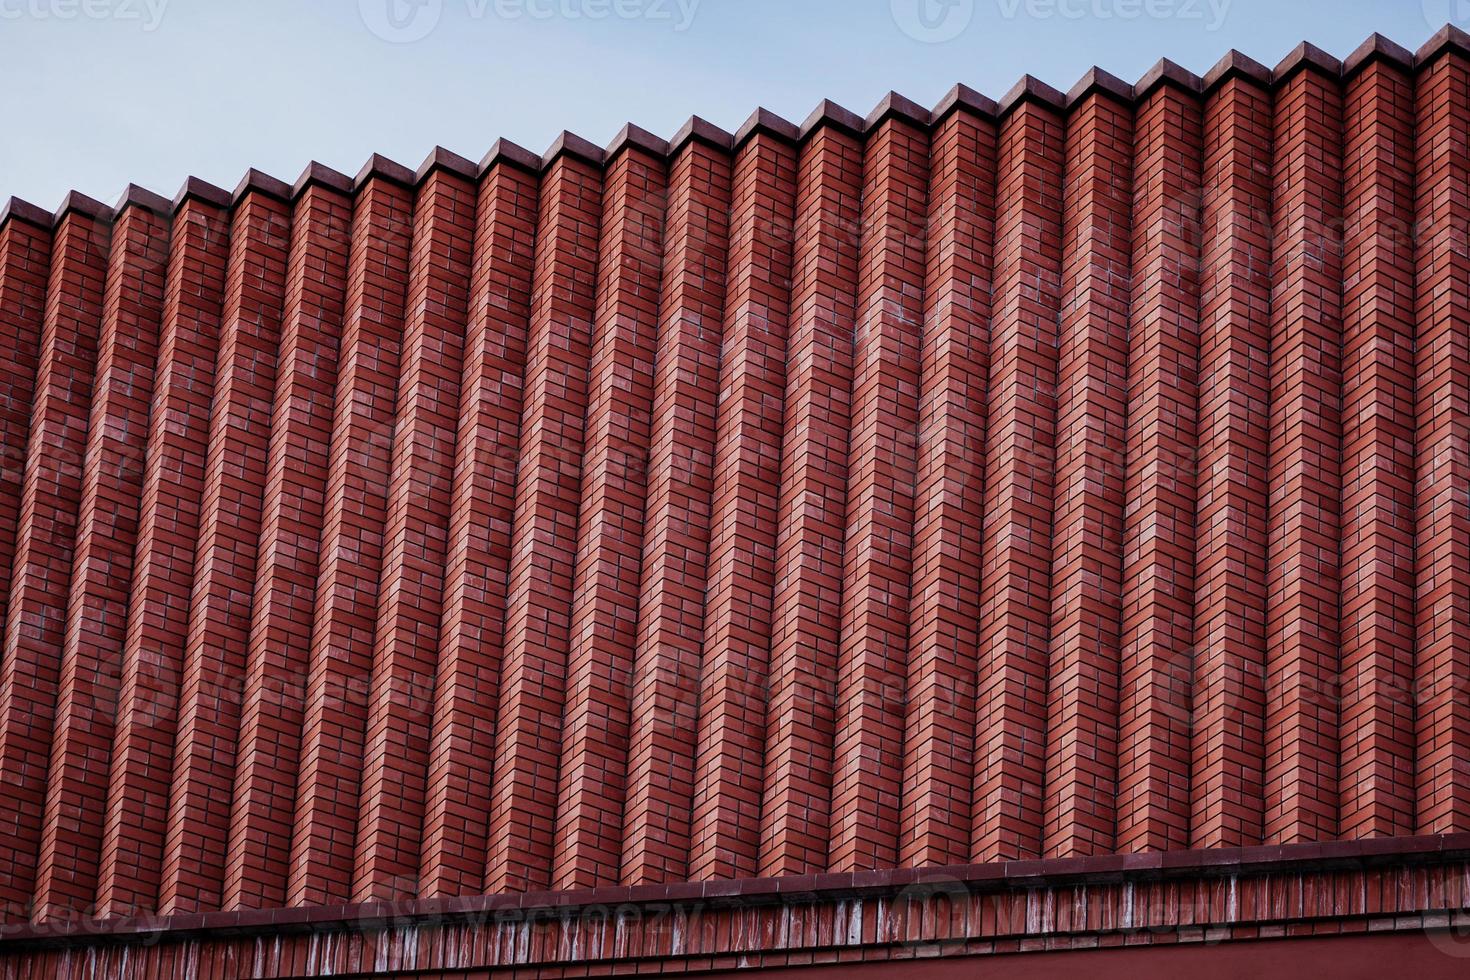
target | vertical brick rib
[
  {"x": 25, "y": 261},
  {"x": 1092, "y": 411},
  {"x": 1230, "y": 546},
  {"x": 1015, "y": 596},
  {"x": 107, "y": 531},
  {"x": 1159, "y": 530},
  {"x": 269, "y": 747},
  {"x": 1305, "y": 470},
  {"x": 730, "y": 750},
  {"x": 1442, "y": 445},
  {"x": 813, "y": 507},
  {"x": 544, "y": 542},
  {"x": 466, "y": 690},
  {"x": 163, "y": 566},
  {"x": 1376, "y": 779},
  {"x": 50, "y": 498},
  {"x": 219, "y": 612},
  {"x": 939, "y": 728},
  {"x": 883, "y": 459},
  {"x": 676, "y": 526},
  {"x": 595, "y": 725},
  {"x": 415, "y": 547},
  {"x": 351, "y": 555}
]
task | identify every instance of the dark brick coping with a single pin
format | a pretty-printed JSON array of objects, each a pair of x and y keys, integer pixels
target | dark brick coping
[{"x": 1000, "y": 876}]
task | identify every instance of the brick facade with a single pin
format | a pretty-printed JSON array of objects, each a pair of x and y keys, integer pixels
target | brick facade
[{"x": 1079, "y": 477}]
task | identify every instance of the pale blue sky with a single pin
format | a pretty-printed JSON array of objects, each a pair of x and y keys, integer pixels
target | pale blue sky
[{"x": 97, "y": 93}]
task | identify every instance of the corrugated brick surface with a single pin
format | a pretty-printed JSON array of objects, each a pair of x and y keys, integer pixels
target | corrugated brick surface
[{"x": 1076, "y": 475}]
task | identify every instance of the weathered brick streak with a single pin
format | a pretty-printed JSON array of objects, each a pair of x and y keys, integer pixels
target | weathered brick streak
[{"x": 1071, "y": 476}]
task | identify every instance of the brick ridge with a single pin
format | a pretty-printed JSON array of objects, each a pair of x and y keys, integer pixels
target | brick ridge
[
  {"x": 201, "y": 190},
  {"x": 895, "y": 106},
  {"x": 829, "y": 113},
  {"x": 136, "y": 196},
  {"x": 1447, "y": 38},
  {"x": 959, "y": 97},
  {"x": 1029, "y": 88},
  {"x": 1234, "y": 64},
  {"x": 258, "y": 182},
  {"x": 697, "y": 128},
  {"x": 633, "y": 136},
  {"x": 319, "y": 174},
  {"x": 570, "y": 144},
  {"x": 1306, "y": 57},
  {"x": 1001, "y": 875},
  {"x": 1166, "y": 72},
  {"x": 382, "y": 168},
  {"x": 1377, "y": 48},
  {"x": 763, "y": 120},
  {"x": 450, "y": 162},
  {"x": 504, "y": 152},
  {"x": 1096, "y": 80},
  {"x": 82, "y": 204},
  {"x": 19, "y": 210}
]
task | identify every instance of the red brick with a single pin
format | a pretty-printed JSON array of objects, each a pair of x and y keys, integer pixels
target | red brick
[
  {"x": 1092, "y": 411},
  {"x": 163, "y": 564},
  {"x": 196, "y": 838},
  {"x": 544, "y": 543},
  {"x": 1015, "y": 591},
  {"x": 806, "y": 621},
  {"x": 45, "y": 545},
  {"x": 939, "y": 729},
  {"x": 676, "y": 528},
  {"x": 466, "y": 690},
  {"x": 1376, "y": 779},
  {"x": 415, "y": 547},
  {"x": 604, "y": 625},
  {"x": 1303, "y": 587},
  {"x": 739, "y": 585},
  {"x": 351, "y": 556},
  {"x": 1154, "y": 721},
  {"x": 1230, "y": 523},
  {"x": 107, "y": 531},
  {"x": 1442, "y": 444},
  {"x": 269, "y": 748},
  {"x": 882, "y": 464}
]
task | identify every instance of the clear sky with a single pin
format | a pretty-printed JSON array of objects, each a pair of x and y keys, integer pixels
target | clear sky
[{"x": 97, "y": 93}]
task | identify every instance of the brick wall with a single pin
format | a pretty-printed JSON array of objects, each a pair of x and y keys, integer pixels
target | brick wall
[{"x": 1064, "y": 476}]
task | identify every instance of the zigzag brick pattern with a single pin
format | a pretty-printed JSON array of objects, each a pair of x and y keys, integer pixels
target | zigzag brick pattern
[{"x": 1073, "y": 475}]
